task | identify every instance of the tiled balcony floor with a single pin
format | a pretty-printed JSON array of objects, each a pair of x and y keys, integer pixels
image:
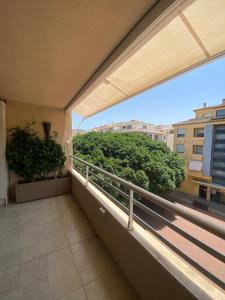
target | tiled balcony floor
[{"x": 49, "y": 251}]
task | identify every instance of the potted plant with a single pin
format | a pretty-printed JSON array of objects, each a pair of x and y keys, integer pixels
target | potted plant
[{"x": 40, "y": 162}]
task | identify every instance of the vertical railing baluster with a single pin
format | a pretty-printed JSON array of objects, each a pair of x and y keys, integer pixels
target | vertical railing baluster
[
  {"x": 131, "y": 206},
  {"x": 87, "y": 174}
]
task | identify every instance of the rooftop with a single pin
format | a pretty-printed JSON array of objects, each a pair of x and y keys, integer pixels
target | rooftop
[
  {"x": 222, "y": 105},
  {"x": 203, "y": 119},
  {"x": 193, "y": 121}
]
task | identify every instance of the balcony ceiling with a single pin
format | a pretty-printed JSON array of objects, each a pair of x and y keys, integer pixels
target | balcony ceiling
[
  {"x": 50, "y": 48},
  {"x": 185, "y": 35}
]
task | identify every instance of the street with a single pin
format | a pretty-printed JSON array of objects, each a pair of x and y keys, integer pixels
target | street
[{"x": 198, "y": 255}]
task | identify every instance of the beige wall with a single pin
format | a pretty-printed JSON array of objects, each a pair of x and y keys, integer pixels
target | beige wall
[
  {"x": 3, "y": 168},
  {"x": 189, "y": 187},
  {"x": 17, "y": 115},
  {"x": 189, "y": 141},
  {"x": 208, "y": 110}
]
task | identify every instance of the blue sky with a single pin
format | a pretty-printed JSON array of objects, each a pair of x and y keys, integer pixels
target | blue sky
[{"x": 170, "y": 102}]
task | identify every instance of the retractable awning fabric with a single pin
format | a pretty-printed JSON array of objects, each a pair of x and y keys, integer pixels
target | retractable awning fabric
[{"x": 188, "y": 34}]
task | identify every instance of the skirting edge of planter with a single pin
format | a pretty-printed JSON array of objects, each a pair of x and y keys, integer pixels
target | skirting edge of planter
[{"x": 43, "y": 189}]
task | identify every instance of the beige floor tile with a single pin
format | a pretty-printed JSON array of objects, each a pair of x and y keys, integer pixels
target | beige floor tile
[
  {"x": 2, "y": 227},
  {"x": 10, "y": 295},
  {"x": 32, "y": 271},
  {"x": 38, "y": 290},
  {"x": 21, "y": 230},
  {"x": 89, "y": 248},
  {"x": 71, "y": 222},
  {"x": 9, "y": 280},
  {"x": 92, "y": 260},
  {"x": 4, "y": 212},
  {"x": 65, "y": 284},
  {"x": 12, "y": 231},
  {"x": 53, "y": 224},
  {"x": 10, "y": 258},
  {"x": 12, "y": 243},
  {"x": 56, "y": 241},
  {"x": 24, "y": 209},
  {"x": 49, "y": 203},
  {"x": 48, "y": 250},
  {"x": 33, "y": 250},
  {"x": 76, "y": 295},
  {"x": 50, "y": 212},
  {"x": 60, "y": 262},
  {"x": 81, "y": 232},
  {"x": 36, "y": 236}
]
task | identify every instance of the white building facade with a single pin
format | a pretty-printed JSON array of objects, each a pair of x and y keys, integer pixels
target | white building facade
[{"x": 162, "y": 133}]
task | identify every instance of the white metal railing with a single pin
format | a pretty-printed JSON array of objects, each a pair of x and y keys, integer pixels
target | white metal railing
[{"x": 88, "y": 170}]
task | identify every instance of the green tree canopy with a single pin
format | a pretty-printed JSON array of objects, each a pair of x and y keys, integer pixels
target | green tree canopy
[{"x": 134, "y": 157}]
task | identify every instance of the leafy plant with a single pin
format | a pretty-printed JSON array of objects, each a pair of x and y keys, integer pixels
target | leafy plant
[
  {"x": 30, "y": 156},
  {"x": 51, "y": 157}
]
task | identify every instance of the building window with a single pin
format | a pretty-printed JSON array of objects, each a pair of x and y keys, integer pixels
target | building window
[
  {"x": 144, "y": 127},
  {"x": 220, "y": 136},
  {"x": 207, "y": 115},
  {"x": 199, "y": 132},
  {"x": 129, "y": 127},
  {"x": 220, "y": 113},
  {"x": 198, "y": 149},
  {"x": 220, "y": 147},
  {"x": 180, "y": 132},
  {"x": 124, "y": 127},
  {"x": 180, "y": 148}
]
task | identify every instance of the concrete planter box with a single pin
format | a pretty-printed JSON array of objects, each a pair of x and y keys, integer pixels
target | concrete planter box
[
  {"x": 42, "y": 189},
  {"x": 63, "y": 185}
]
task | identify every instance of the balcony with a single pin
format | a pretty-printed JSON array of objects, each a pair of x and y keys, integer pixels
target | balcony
[
  {"x": 49, "y": 250},
  {"x": 88, "y": 246},
  {"x": 56, "y": 57}
]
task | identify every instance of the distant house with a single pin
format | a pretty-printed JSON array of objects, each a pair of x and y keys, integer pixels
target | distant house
[
  {"x": 79, "y": 132},
  {"x": 162, "y": 133}
]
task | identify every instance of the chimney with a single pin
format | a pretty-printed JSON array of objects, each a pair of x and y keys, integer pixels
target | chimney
[
  {"x": 204, "y": 104},
  {"x": 223, "y": 101}
]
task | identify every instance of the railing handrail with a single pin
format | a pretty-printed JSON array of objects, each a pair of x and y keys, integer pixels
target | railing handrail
[{"x": 217, "y": 229}]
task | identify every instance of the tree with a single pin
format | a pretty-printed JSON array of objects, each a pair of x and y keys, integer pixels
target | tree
[{"x": 134, "y": 157}]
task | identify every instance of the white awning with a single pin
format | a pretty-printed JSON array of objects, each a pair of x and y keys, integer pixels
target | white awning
[
  {"x": 191, "y": 34},
  {"x": 195, "y": 165}
]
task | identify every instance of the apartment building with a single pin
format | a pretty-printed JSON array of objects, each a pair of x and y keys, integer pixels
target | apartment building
[
  {"x": 201, "y": 141},
  {"x": 78, "y": 132},
  {"x": 162, "y": 133}
]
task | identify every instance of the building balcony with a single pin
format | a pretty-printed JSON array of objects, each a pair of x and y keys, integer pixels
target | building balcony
[
  {"x": 84, "y": 246},
  {"x": 49, "y": 250}
]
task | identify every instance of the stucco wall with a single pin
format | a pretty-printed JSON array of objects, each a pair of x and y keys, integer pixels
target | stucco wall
[
  {"x": 3, "y": 170},
  {"x": 189, "y": 140},
  {"x": 17, "y": 114}
]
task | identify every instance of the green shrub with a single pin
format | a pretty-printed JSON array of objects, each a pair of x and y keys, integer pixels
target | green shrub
[
  {"x": 30, "y": 156},
  {"x": 51, "y": 157}
]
